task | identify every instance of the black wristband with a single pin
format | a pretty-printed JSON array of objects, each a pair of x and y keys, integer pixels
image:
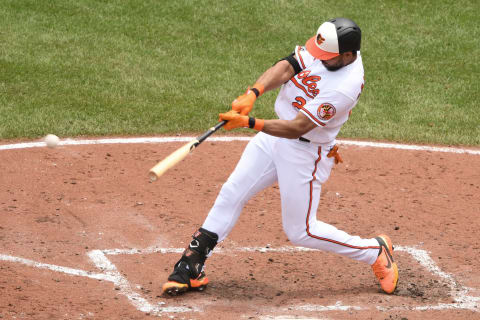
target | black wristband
[
  {"x": 251, "y": 122},
  {"x": 255, "y": 90}
]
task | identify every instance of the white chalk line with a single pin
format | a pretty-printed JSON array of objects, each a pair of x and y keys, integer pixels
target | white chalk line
[
  {"x": 156, "y": 249},
  {"x": 460, "y": 294},
  {"x": 74, "y": 142},
  {"x": 52, "y": 267},
  {"x": 140, "y": 303},
  {"x": 109, "y": 273}
]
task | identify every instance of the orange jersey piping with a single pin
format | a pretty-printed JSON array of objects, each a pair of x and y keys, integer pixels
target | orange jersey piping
[{"x": 310, "y": 207}]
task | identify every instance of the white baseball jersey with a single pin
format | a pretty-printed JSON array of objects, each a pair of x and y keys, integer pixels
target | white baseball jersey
[{"x": 325, "y": 97}]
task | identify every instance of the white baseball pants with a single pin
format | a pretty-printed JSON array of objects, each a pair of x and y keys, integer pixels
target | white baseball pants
[{"x": 300, "y": 169}]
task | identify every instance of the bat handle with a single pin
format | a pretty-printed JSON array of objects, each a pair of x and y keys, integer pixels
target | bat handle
[{"x": 209, "y": 132}]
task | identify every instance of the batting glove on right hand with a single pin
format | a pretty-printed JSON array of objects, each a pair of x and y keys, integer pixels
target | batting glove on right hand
[{"x": 236, "y": 120}]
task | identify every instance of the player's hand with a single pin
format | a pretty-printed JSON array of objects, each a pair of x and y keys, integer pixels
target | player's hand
[
  {"x": 244, "y": 103},
  {"x": 235, "y": 120}
]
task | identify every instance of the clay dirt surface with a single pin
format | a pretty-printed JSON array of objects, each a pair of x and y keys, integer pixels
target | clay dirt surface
[{"x": 57, "y": 205}]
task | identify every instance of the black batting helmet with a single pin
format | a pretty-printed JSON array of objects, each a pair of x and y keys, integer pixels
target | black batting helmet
[{"x": 334, "y": 37}]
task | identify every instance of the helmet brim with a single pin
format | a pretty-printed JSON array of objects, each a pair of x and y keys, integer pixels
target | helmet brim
[{"x": 318, "y": 53}]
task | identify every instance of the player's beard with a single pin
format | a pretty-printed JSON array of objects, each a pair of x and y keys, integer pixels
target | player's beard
[{"x": 335, "y": 67}]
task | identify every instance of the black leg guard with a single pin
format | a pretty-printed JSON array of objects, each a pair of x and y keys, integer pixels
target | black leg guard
[{"x": 190, "y": 265}]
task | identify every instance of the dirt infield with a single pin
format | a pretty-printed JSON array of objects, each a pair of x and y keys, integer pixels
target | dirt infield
[{"x": 85, "y": 235}]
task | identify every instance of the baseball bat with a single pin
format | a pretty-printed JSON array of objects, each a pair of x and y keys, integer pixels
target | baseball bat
[{"x": 179, "y": 154}]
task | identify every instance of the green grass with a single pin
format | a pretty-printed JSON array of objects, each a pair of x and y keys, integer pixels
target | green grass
[{"x": 142, "y": 67}]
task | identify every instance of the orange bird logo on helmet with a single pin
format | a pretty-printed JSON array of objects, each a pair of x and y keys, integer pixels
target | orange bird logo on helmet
[{"x": 320, "y": 39}]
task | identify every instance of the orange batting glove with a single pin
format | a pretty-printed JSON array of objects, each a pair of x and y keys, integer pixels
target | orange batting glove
[
  {"x": 244, "y": 103},
  {"x": 236, "y": 120}
]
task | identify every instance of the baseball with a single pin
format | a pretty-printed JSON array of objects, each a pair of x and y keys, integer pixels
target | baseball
[{"x": 51, "y": 140}]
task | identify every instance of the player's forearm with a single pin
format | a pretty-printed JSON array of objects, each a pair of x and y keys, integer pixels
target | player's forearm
[
  {"x": 277, "y": 75},
  {"x": 283, "y": 128},
  {"x": 274, "y": 77}
]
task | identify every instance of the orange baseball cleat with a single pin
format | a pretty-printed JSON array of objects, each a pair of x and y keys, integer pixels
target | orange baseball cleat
[
  {"x": 385, "y": 268},
  {"x": 180, "y": 282},
  {"x": 174, "y": 288}
]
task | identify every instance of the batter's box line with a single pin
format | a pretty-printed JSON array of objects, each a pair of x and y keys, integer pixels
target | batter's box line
[
  {"x": 459, "y": 293},
  {"x": 110, "y": 273}
]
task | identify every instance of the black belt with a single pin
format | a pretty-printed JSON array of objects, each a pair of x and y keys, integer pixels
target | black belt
[{"x": 303, "y": 139}]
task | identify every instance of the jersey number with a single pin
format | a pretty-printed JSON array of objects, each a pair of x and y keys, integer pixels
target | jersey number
[{"x": 299, "y": 102}]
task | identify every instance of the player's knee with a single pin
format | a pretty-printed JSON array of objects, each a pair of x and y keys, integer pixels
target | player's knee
[
  {"x": 296, "y": 236},
  {"x": 230, "y": 192},
  {"x": 227, "y": 199},
  {"x": 231, "y": 196}
]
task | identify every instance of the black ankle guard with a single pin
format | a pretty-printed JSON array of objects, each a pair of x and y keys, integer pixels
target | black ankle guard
[
  {"x": 203, "y": 242},
  {"x": 191, "y": 263}
]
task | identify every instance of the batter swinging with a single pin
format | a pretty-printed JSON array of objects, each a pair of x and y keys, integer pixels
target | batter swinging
[{"x": 321, "y": 83}]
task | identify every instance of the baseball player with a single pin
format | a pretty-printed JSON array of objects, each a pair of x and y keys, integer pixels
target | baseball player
[{"x": 321, "y": 83}]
